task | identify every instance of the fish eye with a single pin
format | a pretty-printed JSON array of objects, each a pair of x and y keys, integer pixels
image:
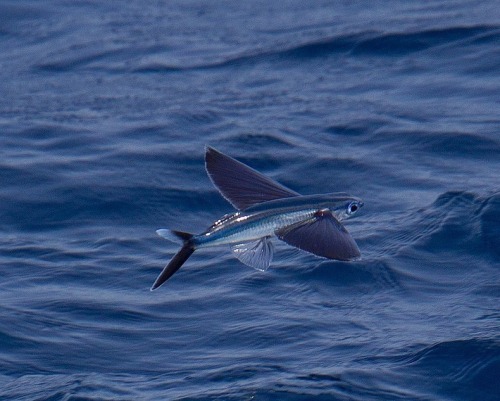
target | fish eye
[{"x": 352, "y": 208}]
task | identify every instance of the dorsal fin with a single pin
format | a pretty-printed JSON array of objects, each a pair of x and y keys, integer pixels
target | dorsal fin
[{"x": 241, "y": 185}]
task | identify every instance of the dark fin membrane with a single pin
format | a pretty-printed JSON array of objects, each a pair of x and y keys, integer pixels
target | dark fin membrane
[
  {"x": 322, "y": 235},
  {"x": 241, "y": 185},
  {"x": 182, "y": 235},
  {"x": 175, "y": 264}
]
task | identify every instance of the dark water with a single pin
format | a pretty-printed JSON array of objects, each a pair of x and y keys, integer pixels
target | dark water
[{"x": 105, "y": 110}]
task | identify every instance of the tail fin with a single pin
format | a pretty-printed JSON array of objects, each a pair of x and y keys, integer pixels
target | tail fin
[
  {"x": 177, "y": 237},
  {"x": 177, "y": 261}
]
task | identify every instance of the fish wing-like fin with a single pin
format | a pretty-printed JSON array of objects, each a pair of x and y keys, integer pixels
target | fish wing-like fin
[
  {"x": 257, "y": 254},
  {"x": 241, "y": 185},
  {"x": 322, "y": 235}
]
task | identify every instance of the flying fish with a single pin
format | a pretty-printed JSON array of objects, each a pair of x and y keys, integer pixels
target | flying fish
[{"x": 266, "y": 209}]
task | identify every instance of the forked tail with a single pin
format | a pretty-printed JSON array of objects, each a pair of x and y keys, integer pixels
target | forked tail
[{"x": 178, "y": 260}]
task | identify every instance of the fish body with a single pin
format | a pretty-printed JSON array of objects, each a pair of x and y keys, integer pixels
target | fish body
[
  {"x": 267, "y": 209},
  {"x": 266, "y": 218}
]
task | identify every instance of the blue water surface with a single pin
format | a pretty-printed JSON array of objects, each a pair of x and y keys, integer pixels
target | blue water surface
[{"x": 105, "y": 110}]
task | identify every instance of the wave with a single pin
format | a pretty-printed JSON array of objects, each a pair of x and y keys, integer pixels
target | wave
[
  {"x": 367, "y": 43},
  {"x": 460, "y": 366},
  {"x": 455, "y": 220},
  {"x": 443, "y": 144},
  {"x": 359, "y": 44}
]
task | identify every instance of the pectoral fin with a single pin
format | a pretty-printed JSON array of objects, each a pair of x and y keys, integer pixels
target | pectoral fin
[
  {"x": 241, "y": 185},
  {"x": 257, "y": 254},
  {"x": 322, "y": 235}
]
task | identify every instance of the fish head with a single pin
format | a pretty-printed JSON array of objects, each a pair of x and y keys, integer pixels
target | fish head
[{"x": 345, "y": 206}]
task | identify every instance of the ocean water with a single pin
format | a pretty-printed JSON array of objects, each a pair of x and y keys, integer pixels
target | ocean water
[{"x": 105, "y": 110}]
